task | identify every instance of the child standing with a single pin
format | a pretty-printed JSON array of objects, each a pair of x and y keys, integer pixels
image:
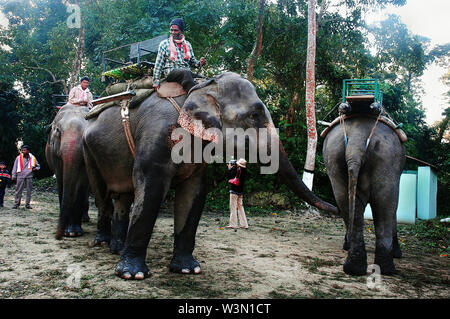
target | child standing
[{"x": 5, "y": 179}]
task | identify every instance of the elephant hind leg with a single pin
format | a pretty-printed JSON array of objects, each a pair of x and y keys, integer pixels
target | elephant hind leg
[
  {"x": 120, "y": 222},
  {"x": 383, "y": 214},
  {"x": 102, "y": 201},
  {"x": 356, "y": 262},
  {"x": 397, "y": 252},
  {"x": 340, "y": 190}
]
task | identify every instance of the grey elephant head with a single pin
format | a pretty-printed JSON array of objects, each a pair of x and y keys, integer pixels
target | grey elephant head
[{"x": 229, "y": 101}]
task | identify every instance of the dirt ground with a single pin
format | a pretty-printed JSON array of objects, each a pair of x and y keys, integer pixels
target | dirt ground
[{"x": 284, "y": 254}]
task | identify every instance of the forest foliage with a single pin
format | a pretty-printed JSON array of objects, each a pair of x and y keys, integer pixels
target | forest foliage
[{"x": 38, "y": 49}]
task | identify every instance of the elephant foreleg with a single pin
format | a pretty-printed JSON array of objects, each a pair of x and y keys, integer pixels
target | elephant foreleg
[
  {"x": 150, "y": 190},
  {"x": 189, "y": 202},
  {"x": 76, "y": 206}
]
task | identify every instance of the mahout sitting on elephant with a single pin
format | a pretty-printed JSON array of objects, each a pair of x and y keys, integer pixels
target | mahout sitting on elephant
[
  {"x": 64, "y": 154},
  {"x": 118, "y": 179},
  {"x": 364, "y": 158}
]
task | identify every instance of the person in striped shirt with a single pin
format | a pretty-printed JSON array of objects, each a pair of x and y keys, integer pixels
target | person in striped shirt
[{"x": 174, "y": 52}]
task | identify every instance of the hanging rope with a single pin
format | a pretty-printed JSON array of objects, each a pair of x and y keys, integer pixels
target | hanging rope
[
  {"x": 342, "y": 122},
  {"x": 334, "y": 107},
  {"x": 373, "y": 130},
  {"x": 174, "y": 103}
]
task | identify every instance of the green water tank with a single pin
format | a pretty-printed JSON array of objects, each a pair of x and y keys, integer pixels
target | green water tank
[
  {"x": 417, "y": 196},
  {"x": 426, "y": 193},
  {"x": 406, "y": 209}
]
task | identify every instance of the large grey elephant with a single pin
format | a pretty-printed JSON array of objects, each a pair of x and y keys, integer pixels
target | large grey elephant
[
  {"x": 118, "y": 179},
  {"x": 64, "y": 154},
  {"x": 360, "y": 176}
]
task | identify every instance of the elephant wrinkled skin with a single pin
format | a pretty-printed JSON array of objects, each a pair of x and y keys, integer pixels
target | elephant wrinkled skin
[
  {"x": 118, "y": 180},
  {"x": 358, "y": 177}
]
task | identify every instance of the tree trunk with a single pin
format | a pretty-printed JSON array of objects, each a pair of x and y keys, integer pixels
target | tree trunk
[
  {"x": 308, "y": 174},
  {"x": 444, "y": 124},
  {"x": 77, "y": 63},
  {"x": 290, "y": 114},
  {"x": 256, "y": 52}
]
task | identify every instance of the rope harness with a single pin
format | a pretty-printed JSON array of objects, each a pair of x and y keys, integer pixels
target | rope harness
[
  {"x": 124, "y": 112},
  {"x": 174, "y": 103}
]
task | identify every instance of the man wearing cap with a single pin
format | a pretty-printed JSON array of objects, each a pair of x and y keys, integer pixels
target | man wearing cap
[
  {"x": 80, "y": 94},
  {"x": 238, "y": 171},
  {"x": 24, "y": 166},
  {"x": 174, "y": 52},
  {"x": 4, "y": 181}
]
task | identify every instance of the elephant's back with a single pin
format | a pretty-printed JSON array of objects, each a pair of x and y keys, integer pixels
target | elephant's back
[
  {"x": 375, "y": 139},
  {"x": 334, "y": 144},
  {"x": 155, "y": 109}
]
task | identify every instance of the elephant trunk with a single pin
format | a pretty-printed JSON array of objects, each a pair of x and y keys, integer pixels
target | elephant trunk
[
  {"x": 65, "y": 210},
  {"x": 70, "y": 174},
  {"x": 294, "y": 182}
]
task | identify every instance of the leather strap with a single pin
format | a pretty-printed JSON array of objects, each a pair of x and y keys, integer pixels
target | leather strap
[{"x": 126, "y": 126}]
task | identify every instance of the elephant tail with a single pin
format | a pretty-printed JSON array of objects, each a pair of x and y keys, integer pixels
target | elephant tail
[{"x": 353, "y": 173}]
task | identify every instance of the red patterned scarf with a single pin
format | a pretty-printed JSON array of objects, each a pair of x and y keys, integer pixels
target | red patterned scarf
[
  {"x": 31, "y": 163},
  {"x": 173, "y": 50}
]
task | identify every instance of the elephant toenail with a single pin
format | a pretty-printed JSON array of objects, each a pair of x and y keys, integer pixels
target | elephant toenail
[
  {"x": 139, "y": 275},
  {"x": 126, "y": 275},
  {"x": 197, "y": 270},
  {"x": 185, "y": 271}
]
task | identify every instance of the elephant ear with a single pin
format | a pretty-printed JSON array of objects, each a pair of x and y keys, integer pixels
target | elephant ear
[{"x": 201, "y": 112}]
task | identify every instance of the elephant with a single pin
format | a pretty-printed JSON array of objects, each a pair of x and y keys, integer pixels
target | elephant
[
  {"x": 119, "y": 180},
  {"x": 362, "y": 173},
  {"x": 64, "y": 155}
]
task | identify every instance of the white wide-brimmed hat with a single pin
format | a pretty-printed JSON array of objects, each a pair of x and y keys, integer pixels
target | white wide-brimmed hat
[{"x": 242, "y": 162}]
